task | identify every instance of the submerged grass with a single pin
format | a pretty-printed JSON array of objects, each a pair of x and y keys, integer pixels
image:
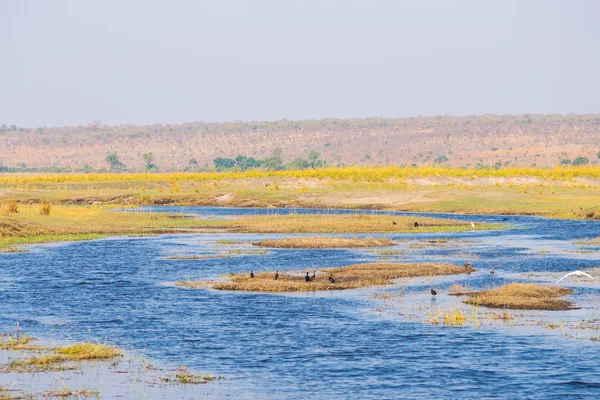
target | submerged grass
[
  {"x": 324, "y": 242},
  {"x": 25, "y": 342},
  {"x": 523, "y": 296},
  {"x": 186, "y": 376},
  {"x": 62, "y": 354},
  {"x": 350, "y": 277}
]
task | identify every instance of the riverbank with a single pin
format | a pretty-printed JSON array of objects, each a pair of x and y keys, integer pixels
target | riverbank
[
  {"x": 70, "y": 223},
  {"x": 572, "y": 193}
]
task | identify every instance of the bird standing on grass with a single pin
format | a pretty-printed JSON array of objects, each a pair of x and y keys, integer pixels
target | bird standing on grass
[
  {"x": 416, "y": 224},
  {"x": 331, "y": 278},
  {"x": 314, "y": 275},
  {"x": 394, "y": 222},
  {"x": 251, "y": 274},
  {"x": 433, "y": 292},
  {"x": 276, "y": 275},
  {"x": 307, "y": 278}
]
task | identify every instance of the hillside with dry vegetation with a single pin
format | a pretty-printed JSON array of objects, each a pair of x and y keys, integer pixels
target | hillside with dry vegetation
[{"x": 488, "y": 140}]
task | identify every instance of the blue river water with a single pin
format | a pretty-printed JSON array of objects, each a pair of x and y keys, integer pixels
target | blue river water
[{"x": 322, "y": 346}]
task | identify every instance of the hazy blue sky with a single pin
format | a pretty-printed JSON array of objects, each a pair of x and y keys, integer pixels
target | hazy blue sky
[{"x": 71, "y": 62}]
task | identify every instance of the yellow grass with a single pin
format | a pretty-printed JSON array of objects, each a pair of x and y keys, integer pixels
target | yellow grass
[
  {"x": 81, "y": 222},
  {"x": 523, "y": 296},
  {"x": 317, "y": 242},
  {"x": 350, "y": 277},
  {"x": 368, "y": 174}
]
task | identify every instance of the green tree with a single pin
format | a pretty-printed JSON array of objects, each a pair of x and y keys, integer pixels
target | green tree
[
  {"x": 272, "y": 164},
  {"x": 222, "y": 164},
  {"x": 440, "y": 159},
  {"x": 149, "y": 159},
  {"x": 246, "y": 163},
  {"x": 114, "y": 162},
  {"x": 314, "y": 159},
  {"x": 565, "y": 161},
  {"x": 298, "y": 163},
  {"x": 581, "y": 161},
  {"x": 598, "y": 154},
  {"x": 193, "y": 162}
]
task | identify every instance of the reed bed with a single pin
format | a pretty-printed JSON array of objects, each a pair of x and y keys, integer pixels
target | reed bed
[
  {"x": 323, "y": 242},
  {"x": 523, "y": 296},
  {"x": 350, "y": 277}
]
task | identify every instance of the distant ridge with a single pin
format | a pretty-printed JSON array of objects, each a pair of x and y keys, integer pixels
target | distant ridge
[{"x": 458, "y": 141}]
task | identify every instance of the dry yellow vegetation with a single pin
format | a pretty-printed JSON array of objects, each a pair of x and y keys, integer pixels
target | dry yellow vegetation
[
  {"x": 350, "y": 277},
  {"x": 523, "y": 296}
]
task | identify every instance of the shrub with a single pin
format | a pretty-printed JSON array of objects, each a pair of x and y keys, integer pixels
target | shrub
[
  {"x": 45, "y": 208},
  {"x": 581, "y": 161},
  {"x": 12, "y": 206}
]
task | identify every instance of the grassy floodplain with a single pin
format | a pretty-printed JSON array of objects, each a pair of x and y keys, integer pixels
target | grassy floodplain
[
  {"x": 562, "y": 192},
  {"x": 80, "y": 202},
  {"x": 71, "y": 222}
]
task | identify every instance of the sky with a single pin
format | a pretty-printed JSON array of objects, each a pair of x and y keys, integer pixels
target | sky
[{"x": 70, "y": 62}]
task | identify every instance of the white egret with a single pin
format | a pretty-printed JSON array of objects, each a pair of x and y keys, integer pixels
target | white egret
[
  {"x": 578, "y": 274},
  {"x": 472, "y": 225}
]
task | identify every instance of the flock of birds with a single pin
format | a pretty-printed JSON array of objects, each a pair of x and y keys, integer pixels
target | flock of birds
[{"x": 307, "y": 278}]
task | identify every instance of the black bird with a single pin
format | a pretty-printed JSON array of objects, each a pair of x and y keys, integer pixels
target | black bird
[
  {"x": 492, "y": 272},
  {"x": 314, "y": 275},
  {"x": 307, "y": 278},
  {"x": 394, "y": 222},
  {"x": 251, "y": 274},
  {"x": 276, "y": 275},
  {"x": 433, "y": 292},
  {"x": 416, "y": 224},
  {"x": 331, "y": 278}
]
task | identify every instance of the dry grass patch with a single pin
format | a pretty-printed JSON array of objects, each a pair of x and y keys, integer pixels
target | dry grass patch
[
  {"x": 358, "y": 223},
  {"x": 319, "y": 242},
  {"x": 351, "y": 277},
  {"x": 523, "y": 296}
]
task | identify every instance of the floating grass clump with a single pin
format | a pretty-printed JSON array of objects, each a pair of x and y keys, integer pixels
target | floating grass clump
[
  {"x": 62, "y": 354},
  {"x": 185, "y": 376},
  {"x": 350, "y": 277},
  {"x": 10, "y": 342},
  {"x": 317, "y": 242},
  {"x": 523, "y": 296}
]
